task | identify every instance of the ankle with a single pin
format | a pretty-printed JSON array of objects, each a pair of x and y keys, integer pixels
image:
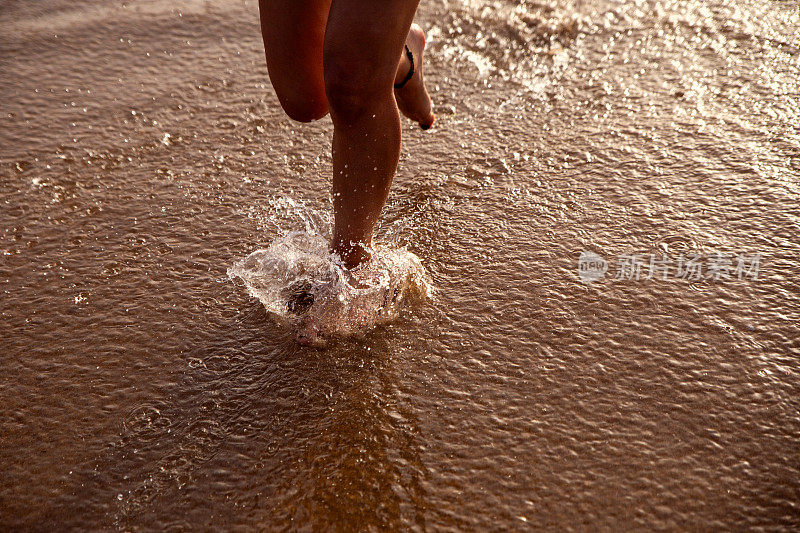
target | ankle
[
  {"x": 352, "y": 254},
  {"x": 405, "y": 69}
]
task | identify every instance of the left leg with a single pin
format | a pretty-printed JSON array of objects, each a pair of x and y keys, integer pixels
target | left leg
[
  {"x": 293, "y": 33},
  {"x": 363, "y": 45}
]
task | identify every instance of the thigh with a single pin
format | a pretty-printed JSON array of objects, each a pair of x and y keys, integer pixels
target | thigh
[
  {"x": 294, "y": 33},
  {"x": 364, "y": 40}
]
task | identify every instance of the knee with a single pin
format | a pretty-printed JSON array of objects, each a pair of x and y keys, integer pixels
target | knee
[
  {"x": 304, "y": 110},
  {"x": 352, "y": 93}
]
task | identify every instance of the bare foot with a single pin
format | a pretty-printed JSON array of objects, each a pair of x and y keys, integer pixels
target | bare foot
[
  {"x": 412, "y": 98},
  {"x": 355, "y": 301},
  {"x": 352, "y": 254}
]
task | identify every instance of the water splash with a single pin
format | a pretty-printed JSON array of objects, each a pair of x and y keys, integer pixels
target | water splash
[{"x": 305, "y": 287}]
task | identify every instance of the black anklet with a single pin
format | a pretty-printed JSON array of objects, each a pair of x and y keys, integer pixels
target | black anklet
[{"x": 410, "y": 74}]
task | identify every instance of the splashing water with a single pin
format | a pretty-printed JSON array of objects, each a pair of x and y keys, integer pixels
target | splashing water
[{"x": 305, "y": 287}]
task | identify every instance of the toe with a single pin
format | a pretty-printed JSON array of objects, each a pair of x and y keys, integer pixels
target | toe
[{"x": 426, "y": 125}]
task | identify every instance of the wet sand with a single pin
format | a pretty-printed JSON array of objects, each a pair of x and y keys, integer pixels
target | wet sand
[{"x": 143, "y": 152}]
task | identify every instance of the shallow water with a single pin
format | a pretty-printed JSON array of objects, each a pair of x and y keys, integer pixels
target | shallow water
[{"x": 143, "y": 153}]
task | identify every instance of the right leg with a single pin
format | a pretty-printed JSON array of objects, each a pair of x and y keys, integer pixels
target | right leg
[
  {"x": 294, "y": 33},
  {"x": 363, "y": 46}
]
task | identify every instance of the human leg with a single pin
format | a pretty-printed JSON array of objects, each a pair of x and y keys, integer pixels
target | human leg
[
  {"x": 293, "y": 33},
  {"x": 363, "y": 43}
]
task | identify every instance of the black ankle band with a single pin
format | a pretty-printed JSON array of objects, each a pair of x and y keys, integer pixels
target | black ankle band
[{"x": 410, "y": 74}]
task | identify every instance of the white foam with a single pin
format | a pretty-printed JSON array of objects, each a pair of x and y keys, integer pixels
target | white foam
[{"x": 297, "y": 269}]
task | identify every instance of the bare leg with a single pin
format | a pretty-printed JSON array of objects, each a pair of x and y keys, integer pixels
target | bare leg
[
  {"x": 363, "y": 42},
  {"x": 293, "y": 33},
  {"x": 346, "y": 56}
]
